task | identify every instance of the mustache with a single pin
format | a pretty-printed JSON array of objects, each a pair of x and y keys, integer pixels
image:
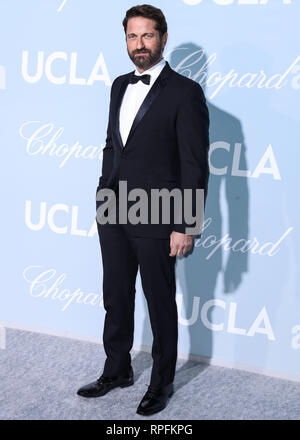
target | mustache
[{"x": 141, "y": 51}]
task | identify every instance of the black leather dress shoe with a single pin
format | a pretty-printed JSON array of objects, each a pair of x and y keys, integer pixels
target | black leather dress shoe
[
  {"x": 155, "y": 400},
  {"x": 104, "y": 384}
]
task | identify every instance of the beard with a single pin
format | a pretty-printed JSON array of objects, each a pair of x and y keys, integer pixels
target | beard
[{"x": 150, "y": 57}]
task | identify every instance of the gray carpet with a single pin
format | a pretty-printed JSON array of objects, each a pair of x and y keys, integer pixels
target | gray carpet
[{"x": 40, "y": 375}]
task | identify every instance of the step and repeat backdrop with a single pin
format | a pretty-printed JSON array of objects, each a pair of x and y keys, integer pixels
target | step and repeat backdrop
[{"x": 238, "y": 292}]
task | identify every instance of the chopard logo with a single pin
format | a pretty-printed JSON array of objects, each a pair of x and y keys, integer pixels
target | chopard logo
[
  {"x": 232, "y": 79},
  {"x": 42, "y": 139},
  {"x": 48, "y": 284}
]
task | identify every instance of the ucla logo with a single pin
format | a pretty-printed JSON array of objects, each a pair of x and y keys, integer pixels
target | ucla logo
[{"x": 45, "y": 65}]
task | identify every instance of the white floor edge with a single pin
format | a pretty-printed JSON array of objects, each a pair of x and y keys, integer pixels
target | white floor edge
[{"x": 210, "y": 361}]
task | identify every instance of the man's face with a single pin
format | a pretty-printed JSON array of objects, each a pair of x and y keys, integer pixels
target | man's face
[{"x": 144, "y": 45}]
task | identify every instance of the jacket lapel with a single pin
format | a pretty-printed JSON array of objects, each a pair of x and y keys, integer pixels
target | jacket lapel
[{"x": 155, "y": 90}]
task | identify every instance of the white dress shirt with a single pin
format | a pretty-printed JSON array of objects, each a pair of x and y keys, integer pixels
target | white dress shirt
[{"x": 133, "y": 98}]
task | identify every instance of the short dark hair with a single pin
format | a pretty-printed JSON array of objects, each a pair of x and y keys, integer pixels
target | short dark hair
[{"x": 147, "y": 11}]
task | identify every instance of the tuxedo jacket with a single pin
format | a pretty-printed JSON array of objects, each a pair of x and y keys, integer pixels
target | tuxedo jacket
[{"x": 167, "y": 146}]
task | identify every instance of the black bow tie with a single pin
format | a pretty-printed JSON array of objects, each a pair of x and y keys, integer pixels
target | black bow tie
[{"x": 133, "y": 79}]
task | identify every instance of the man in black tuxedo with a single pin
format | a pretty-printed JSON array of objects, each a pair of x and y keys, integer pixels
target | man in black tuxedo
[{"x": 157, "y": 137}]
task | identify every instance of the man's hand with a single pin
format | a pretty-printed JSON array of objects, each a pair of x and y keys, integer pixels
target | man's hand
[{"x": 180, "y": 243}]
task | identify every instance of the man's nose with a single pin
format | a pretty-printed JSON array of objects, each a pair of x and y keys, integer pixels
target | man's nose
[{"x": 139, "y": 43}]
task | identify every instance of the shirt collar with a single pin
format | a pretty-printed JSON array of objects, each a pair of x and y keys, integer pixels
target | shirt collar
[{"x": 154, "y": 71}]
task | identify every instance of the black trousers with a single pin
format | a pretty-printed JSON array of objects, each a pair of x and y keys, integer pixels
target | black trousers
[{"x": 122, "y": 255}]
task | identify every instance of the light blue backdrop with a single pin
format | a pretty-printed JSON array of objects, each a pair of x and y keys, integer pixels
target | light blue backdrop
[{"x": 57, "y": 62}]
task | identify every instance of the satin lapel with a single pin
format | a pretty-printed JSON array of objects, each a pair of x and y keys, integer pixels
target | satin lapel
[
  {"x": 155, "y": 90},
  {"x": 118, "y": 107}
]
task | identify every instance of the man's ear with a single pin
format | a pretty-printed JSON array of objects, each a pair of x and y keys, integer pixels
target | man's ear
[{"x": 165, "y": 38}]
